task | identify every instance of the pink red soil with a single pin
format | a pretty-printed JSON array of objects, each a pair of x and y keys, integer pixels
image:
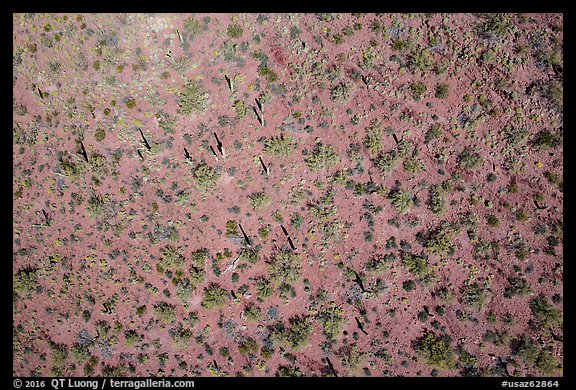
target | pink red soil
[{"x": 75, "y": 74}]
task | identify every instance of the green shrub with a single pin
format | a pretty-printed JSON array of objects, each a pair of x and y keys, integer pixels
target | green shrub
[
  {"x": 198, "y": 266},
  {"x": 252, "y": 312},
  {"x": 416, "y": 265},
  {"x": 296, "y": 220},
  {"x": 433, "y": 133},
  {"x": 248, "y": 346},
  {"x": 385, "y": 162},
  {"x": 331, "y": 317},
  {"x": 25, "y": 282},
  {"x": 493, "y": 220},
  {"x": 413, "y": 165},
  {"x": 409, "y": 285},
  {"x": 469, "y": 159},
  {"x": 439, "y": 242},
  {"x": 442, "y": 91},
  {"x": 288, "y": 371},
  {"x": 241, "y": 109},
  {"x": 436, "y": 201},
  {"x": 59, "y": 359},
  {"x": 165, "y": 311},
  {"x": 205, "y": 177},
  {"x": 544, "y": 313},
  {"x": 297, "y": 335},
  {"x": 214, "y": 296},
  {"x": 259, "y": 201},
  {"x": 100, "y": 134},
  {"x": 172, "y": 259},
  {"x": 340, "y": 92},
  {"x": 417, "y": 88},
  {"x": 280, "y": 147},
  {"x": 234, "y": 31},
  {"x": 475, "y": 296},
  {"x": 518, "y": 287},
  {"x": 321, "y": 157},
  {"x": 546, "y": 140},
  {"x": 232, "y": 229},
  {"x": 264, "y": 288},
  {"x": 284, "y": 267},
  {"x": 401, "y": 200},
  {"x": 437, "y": 352},
  {"x": 373, "y": 140},
  {"x": 420, "y": 60},
  {"x": 192, "y": 98},
  {"x": 379, "y": 263},
  {"x": 493, "y": 26}
]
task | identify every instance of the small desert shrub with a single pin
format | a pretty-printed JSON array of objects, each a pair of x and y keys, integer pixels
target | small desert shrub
[
  {"x": 192, "y": 98},
  {"x": 340, "y": 92},
  {"x": 436, "y": 351},
  {"x": 284, "y": 267},
  {"x": 248, "y": 346},
  {"x": 436, "y": 201},
  {"x": 251, "y": 255},
  {"x": 417, "y": 266},
  {"x": 197, "y": 267},
  {"x": 288, "y": 371},
  {"x": 373, "y": 140},
  {"x": 25, "y": 282},
  {"x": 331, "y": 317},
  {"x": 518, "y": 287},
  {"x": 413, "y": 165},
  {"x": 165, "y": 311},
  {"x": 252, "y": 312},
  {"x": 417, "y": 88},
  {"x": 385, "y": 162},
  {"x": 280, "y": 147},
  {"x": 296, "y": 335},
  {"x": 172, "y": 259},
  {"x": 476, "y": 296},
  {"x": 232, "y": 228},
  {"x": 259, "y": 201},
  {"x": 401, "y": 200},
  {"x": 409, "y": 285},
  {"x": 241, "y": 108},
  {"x": 439, "y": 242},
  {"x": 442, "y": 91},
  {"x": 214, "y": 296},
  {"x": 321, "y": 157},
  {"x": 546, "y": 140},
  {"x": 296, "y": 220},
  {"x": 205, "y": 177},
  {"x": 545, "y": 315},
  {"x": 100, "y": 134},
  {"x": 379, "y": 263},
  {"x": 434, "y": 132},
  {"x": 264, "y": 288},
  {"x": 493, "y": 220},
  {"x": 469, "y": 159},
  {"x": 493, "y": 26},
  {"x": 59, "y": 359},
  {"x": 420, "y": 60},
  {"x": 534, "y": 356},
  {"x": 234, "y": 31},
  {"x": 555, "y": 93}
]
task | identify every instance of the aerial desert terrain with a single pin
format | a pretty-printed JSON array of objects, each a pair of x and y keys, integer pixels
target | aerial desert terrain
[{"x": 287, "y": 195}]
